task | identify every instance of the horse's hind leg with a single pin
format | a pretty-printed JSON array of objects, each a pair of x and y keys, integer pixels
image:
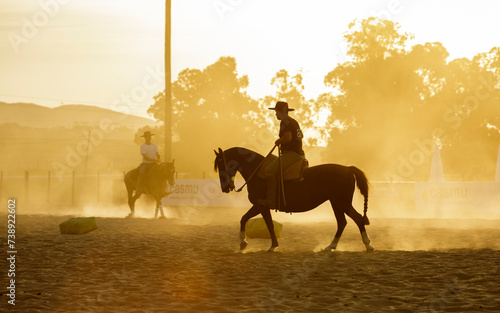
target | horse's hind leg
[
  {"x": 358, "y": 219},
  {"x": 244, "y": 219},
  {"x": 341, "y": 223}
]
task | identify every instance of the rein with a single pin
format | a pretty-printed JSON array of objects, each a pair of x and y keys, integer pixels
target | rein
[{"x": 258, "y": 167}]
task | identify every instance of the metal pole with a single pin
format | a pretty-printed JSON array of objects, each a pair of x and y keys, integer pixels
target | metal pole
[{"x": 168, "y": 80}]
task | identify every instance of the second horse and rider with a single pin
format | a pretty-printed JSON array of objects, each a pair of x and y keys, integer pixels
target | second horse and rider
[{"x": 151, "y": 177}]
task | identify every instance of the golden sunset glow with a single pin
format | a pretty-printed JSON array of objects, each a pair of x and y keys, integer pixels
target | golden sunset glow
[
  {"x": 250, "y": 155},
  {"x": 109, "y": 45}
]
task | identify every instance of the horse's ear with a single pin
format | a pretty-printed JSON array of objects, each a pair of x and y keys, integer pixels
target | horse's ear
[
  {"x": 216, "y": 154},
  {"x": 220, "y": 150}
]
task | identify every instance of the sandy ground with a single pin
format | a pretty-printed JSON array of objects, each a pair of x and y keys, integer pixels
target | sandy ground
[{"x": 193, "y": 265}]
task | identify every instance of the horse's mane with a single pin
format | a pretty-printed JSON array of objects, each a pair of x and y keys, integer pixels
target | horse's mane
[{"x": 239, "y": 150}]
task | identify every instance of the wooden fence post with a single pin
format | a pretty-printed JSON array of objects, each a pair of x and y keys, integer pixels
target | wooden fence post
[
  {"x": 98, "y": 185},
  {"x": 27, "y": 186},
  {"x": 1, "y": 185},
  {"x": 73, "y": 189},
  {"x": 48, "y": 188}
]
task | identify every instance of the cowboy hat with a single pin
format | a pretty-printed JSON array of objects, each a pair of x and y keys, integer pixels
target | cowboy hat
[
  {"x": 147, "y": 133},
  {"x": 281, "y": 106}
]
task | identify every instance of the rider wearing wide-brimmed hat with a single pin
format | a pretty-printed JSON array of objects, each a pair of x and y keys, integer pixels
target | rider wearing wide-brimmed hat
[
  {"x": 290, "y": 139},
  {"x": 150, "y": 156}
]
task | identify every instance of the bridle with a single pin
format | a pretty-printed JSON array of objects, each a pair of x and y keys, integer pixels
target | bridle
[
  {"x": 231, "y": 185},
  {"x": 169, "y": 170},
  {"x": 171, "y": 174},
  {"x": 223, "y": 161}
]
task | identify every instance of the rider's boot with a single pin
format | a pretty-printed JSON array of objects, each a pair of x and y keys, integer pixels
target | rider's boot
[{"x": 272, "y": 187}]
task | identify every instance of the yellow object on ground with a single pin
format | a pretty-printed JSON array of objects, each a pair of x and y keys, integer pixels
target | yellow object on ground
[
  {"x": 257, "y": 228},
  {"x": 78, "y": 225}
]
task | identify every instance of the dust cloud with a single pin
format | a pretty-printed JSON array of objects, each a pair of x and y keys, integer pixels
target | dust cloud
[
  {"x": 314, "y": 229},
  {"x": 390, "y": 106}
]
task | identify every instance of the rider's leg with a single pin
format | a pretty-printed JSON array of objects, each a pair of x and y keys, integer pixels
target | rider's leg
[
  {"x": 287, "y": 159},
  {"x": 272, "y": 171},
  {"x": 272, "y": 190},
  {"x": 141, "y": 180}
]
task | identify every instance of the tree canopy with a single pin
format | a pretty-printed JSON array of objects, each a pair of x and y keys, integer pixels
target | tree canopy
[
  {"x": 210, "y": 109},
  {"x": 389, "y": 105},
  {"x": 398, "y": 101}
]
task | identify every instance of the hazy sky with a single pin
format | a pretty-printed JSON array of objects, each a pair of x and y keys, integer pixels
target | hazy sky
[{"x": 101, "y": 52}]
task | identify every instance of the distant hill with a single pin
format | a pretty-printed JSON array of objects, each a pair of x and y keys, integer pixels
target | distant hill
[{"x": 29, "y": 114}]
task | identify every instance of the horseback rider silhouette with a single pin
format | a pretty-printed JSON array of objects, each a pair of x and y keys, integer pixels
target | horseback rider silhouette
[
  {"x": 150, "y": 157},
  {"x": 290, "y": 139}
]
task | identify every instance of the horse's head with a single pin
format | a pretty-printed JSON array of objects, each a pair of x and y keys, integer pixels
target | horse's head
[
  {"x": 168, "y": 169},
  {"x": 226, "y": 175}
]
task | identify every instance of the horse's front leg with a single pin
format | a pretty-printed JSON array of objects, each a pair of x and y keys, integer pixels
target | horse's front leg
[
  {"x": 266, "y": 214},
  {"x": 131, "y": 204},
  {"x": 159, "y": 208},
  {"x": 244, "y": 219}
]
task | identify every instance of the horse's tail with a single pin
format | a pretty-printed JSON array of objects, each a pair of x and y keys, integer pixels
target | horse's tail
[{"x": 362, "y": 183}]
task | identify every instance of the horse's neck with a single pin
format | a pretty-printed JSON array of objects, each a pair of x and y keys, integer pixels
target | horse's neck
[
  {"x": 248, "y": 162},
  {"x": 160, "y": 171}
]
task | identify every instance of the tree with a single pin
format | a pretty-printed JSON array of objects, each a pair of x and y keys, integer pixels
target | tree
[
  {"x": 210, "y": 109},
  {"x": 378, "y": 90},
  {"x": 470, "y": 115},
  {"x": 290, "y": 89},
  {"x": 395, "y": 102}
]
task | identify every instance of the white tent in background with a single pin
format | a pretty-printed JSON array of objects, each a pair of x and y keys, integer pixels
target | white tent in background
[
  {"x": 497, "y": 173},
  {"x": 437, "y": 174}
]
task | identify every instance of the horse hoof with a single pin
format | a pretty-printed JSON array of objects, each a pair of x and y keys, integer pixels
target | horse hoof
[
  {"x": 243, "y": 245},
  {"x": 272, "y": 249},
  {"x": 162, "y": 218},
  {"x": 370, "y": 249},
  {"x": 131, "y": 215}
]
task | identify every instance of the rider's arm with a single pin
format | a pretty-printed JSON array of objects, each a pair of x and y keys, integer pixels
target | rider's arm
[
  {"x": 287, "y": 137},
  {"x": 157, "y": 157}
]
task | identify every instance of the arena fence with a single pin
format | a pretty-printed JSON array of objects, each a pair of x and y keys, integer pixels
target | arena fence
[{"x": 386, "y": 199}]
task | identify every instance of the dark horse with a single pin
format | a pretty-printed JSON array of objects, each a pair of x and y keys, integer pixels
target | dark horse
[
  {"x": 321, "y": 183},
  {"x": 156, "y": 185}
]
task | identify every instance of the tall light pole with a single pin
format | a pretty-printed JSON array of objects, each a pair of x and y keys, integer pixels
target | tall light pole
[{"x": 168, "y": 81}]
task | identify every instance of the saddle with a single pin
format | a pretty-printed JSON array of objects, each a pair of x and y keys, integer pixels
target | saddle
[
  {"x": 149, "y": 170},
  {"x": 294, "y": 172}
]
